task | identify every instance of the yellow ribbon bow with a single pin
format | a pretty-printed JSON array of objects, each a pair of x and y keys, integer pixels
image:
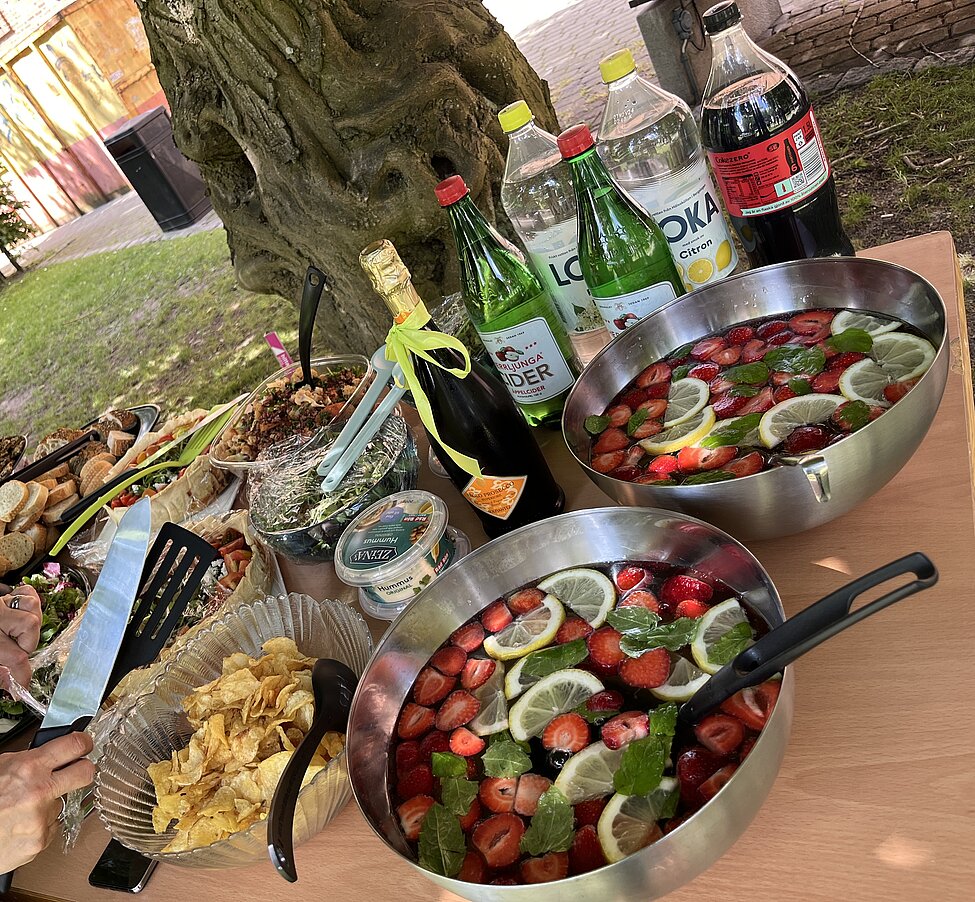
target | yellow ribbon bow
[{"x": 408, "y": 339}]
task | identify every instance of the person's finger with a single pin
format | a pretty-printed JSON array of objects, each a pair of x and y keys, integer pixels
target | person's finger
[
  {"x": 21, "y": 625},
  {"x": 54, "y": 811},
  {"x": 74, "y": 776},
  {"x": 15, "y": 658},
  {"x": 63, "y": 751},
  {"x": 28, "y": 599}
]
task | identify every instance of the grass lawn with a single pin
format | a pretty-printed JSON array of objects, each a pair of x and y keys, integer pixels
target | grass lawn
[{"x": 162, "y": 322}]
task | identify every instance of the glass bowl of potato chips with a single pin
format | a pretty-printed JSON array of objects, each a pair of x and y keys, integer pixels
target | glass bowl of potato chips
[{"x": 188, "y": 776}]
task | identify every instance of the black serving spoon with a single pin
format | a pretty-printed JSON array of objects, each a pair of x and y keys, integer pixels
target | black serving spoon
[
  {"x": 311, "y": 295},
  {"x": 333, "y": 684},
  {"x": 810, "y": 627}
]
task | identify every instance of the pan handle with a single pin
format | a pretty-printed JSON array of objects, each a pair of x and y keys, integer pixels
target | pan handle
[{"x": 810, "y": 627}]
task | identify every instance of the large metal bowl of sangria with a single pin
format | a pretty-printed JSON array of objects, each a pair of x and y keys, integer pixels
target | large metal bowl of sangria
[
  {"x": 514, "y": 735},
  {"x": 769, "y": 403}
]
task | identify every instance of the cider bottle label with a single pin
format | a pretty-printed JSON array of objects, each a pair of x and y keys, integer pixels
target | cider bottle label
[
  {"x": 625, "y": 310},
  {"x": 774, "y": 174},
  {"x": 495, "y": 495}
]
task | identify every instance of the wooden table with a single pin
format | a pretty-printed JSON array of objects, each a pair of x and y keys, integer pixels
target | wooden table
[{"x": 875, "y": 798}]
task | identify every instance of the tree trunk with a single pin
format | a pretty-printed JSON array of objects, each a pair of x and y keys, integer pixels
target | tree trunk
[{"x": 323, "y": 125}]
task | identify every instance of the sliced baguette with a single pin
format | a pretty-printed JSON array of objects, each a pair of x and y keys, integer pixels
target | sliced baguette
[
  {"x": 53, "y": 513},
  {"x": 32, "y": 510},
  {"x": 5, "y": 565},
  {"x": 17, "y": 548},
  {"x": 93, "y": 476},
  {"x": 119, "y": 442},
  {"x": 58, "y": 472},
  {"x": 38, "y": 535},
  {"x": 13, "y": 497},
  {"x": 49, "y": 484},
  {"x": 63, "y": 490}
]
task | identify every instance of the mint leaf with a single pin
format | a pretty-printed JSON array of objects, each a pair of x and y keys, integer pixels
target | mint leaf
[
  {"x": 754, "y": 373},
  {"x": 458, "y": 794},
  {"x": 637, "y": 420},
  {"x": 854, "y": 414},
  {"x": 594, "y": 425},
  {"x": 681, "y": 352},
  {"x": 551, "y": 660},
  {"x": 743, "y": 391},
  {"x": 731, "y": 644},
  {"x": 733, "y": 433},
  {"x": 680, "y": 372},
  {"x": 505, "y": 736},
  {"x": 551, "y": 829},
  {"x": 447, "y": 764},
  {"x": 800, "y": 386},
  {"x": 442, "y": 844},
  {"x": 642, "y": 766},
  {"x": 798, "y": 361},
  {"x": 663, "y": 720},
  {"x": 669, "y": 808},
  {"x": 672, "y": 636},
  {"x": 852, "y": 340},
  {"x": 632, "y": 619},
  {"x": 505, "y": 759},
  {"x": 709, "y": 476},
  {"x": 592, "y": 716}
]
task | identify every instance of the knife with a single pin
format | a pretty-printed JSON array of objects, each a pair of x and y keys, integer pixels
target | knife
[{"x": 83, "y": 681}]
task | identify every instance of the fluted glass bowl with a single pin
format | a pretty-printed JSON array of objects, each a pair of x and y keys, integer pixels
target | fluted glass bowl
[{"x": 156, "y": 725}]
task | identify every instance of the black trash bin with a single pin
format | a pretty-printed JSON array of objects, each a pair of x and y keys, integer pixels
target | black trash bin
[{"x": 170, "y": 185}]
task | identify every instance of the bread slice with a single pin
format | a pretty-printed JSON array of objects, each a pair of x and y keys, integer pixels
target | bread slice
[
  {"x": 32, "y": 510},
  {"x": 5, "y": 565},
  {"x": 62, "y": 491},
  {"x": 58, "y": 472},
  {"x": 93, "y": 476},
  {"x": 53, "y": 513},
  {"x": 13, "y": 497},
  {"x": 3, "y": 527},
  {"x": 106, "y": 456},
  {"x": 38, "y": 535},
  {"x": 17, "y": 548},
  {"x": 119, "y": 442},
  {"x": 48, "y": 483},
  {"x": 53, "y": 534}
]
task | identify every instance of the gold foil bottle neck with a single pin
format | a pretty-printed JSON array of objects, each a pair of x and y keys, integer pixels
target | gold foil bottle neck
[{"x": 382, "y": 264}]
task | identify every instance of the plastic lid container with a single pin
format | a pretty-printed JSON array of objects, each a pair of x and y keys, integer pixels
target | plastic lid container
[
  {"x": 616, "y": 66},
  {"x": 514, "y": 116},
  {"x": 395, "y": 548}
]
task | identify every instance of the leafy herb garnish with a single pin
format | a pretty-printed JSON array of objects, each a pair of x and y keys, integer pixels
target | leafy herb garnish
[
  {"x": 743, "y": 391},
  {"x": 637, "y": 420},
  {"x": 798, "y": 361},
  {"x": 447, "y": 764},
  {"x": 709, "y": 476},
  {"x": 505, "y": 759},
  {"x": 551, "y": 660},
  {"x": 734, "y": 433},
  {"x": 680, "y": 372},
  {"x": 642, "y": 765},
  {"x": 854, "y": 414},
  {"x": 852, "y": 340},
  {"x": 458, "y": 794},
  {"x": 551, "y": 826},
  {"x": 632, "y": 619},
  {"x": 799, "y": 386},
  {"x": 672, "y": 636},
  {"x": 681, "y": 352},
  {"x": 442, "y": 844},
  {"x": 731, "y": 644},
  {"x": 755, "y": 373},
  {"x": 595, "y": 425}
]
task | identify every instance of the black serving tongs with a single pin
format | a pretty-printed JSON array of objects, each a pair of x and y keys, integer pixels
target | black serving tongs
[
  {"x": 55, "y": 458},
  {"x": 311, "y": 295},
  {"x": 810, "y": 627},
  {"x": 333, "y": 684}
]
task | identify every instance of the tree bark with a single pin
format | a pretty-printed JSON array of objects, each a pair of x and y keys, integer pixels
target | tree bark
[{"x": 323, "y": 125}]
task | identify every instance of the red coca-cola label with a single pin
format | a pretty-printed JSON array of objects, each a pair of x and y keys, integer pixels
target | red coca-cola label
[{"x": 774, "y": 174}]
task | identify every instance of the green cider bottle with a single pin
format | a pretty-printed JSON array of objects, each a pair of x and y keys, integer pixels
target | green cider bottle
[
  {"x": 512, "y": 312},
  {"x": 623, "y": 254}
]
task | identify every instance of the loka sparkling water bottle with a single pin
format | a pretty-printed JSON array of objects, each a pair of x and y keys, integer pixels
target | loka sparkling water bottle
[
  {"x": 538, "y": 197},
  {"x": 650, "y": 144}
]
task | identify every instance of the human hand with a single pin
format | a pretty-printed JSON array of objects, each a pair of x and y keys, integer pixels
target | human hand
[
  {"x": 20, "y": 630},
  {"x": 31, "y": 784}
]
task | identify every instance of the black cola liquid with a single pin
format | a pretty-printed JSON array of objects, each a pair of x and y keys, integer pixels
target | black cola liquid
[{"x": 760, "y": 109}]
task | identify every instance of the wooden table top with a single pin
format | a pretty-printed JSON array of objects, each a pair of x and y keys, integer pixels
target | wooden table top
[{"x": 874, "y": 798}]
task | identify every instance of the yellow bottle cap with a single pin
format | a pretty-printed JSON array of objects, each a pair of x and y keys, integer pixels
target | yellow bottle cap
[
  {"x": 514, "y": 116},
  {"x": 616, "y": 65}
]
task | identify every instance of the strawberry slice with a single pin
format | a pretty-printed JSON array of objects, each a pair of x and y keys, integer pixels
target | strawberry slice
[
  {"x": 468, "y": 637},
  {"x": 606, "y": 463},
  {"x": 496, "y": 617},
  {"x": 783, "y": 392},
  {"x": 567, "y": 731},
  {"x": 411, "y": 814},
  {"x": 473, "y": 815},
  {"x": 414, "y": 721},
  {"x": 449, "y": 660},
  {"x": 753, "y": 705},
  {"x": 473, "y": 870},
  {"x": 660, "y": 390},
  {"x": 587, "y": 813},
  {"x": 780, "y": 378},
  {"x": 497, "y": 794},
  {"x": 815, "y": 338},
  {"x": 648, "y": 428},
  {"x": 655, "y": 374},
  {"x": 655, "y": 407},
  {"x": 498, "y": 839},
  {"x": 748, "y": 465},
  {"x": 740, "y": 334},
  {"x": 612, "y": 439},
  {"x": 525, "y": 600},
  {"x": 677, "y": 588},
  {"x": 727, "y": 356},
  {"x": 630, "y": 577},
  {"x": 810, "y": 321},
  {"x": 434, "y": 741},
  {"x": 842, "y": 361},
  {"x": 459, "y": 708},
  {"x": 662, "y": 466},
  {"x": 641, "y": 599},
  {"x": 417, "y": 781},
  {"x": 530, "y": 789},
  {"x": 705, "y": 371},
  {"x": 626, "y": 474},
  {"x": 692, "y": 459},
  {"x": 407, "y": 756},
  {"x": 691, "y": 607},
  {"x": 573, "y": 628},
  {"x": 432, "y": 686},
  {"x": 746, "y": 747},
  {"x": 719, "y": 385},
  {"x": 753, "y": 350},
  {"x": 772, "y": 327},
  {"x": 709, "y": 788},
  {"x": 624, "y": 728},
  {"x": 551, "y": 866},
  {"x": 895, "y": 391},
  {"x": 720, "y": 733},
  {"x": 586, "y": 853},
  {"x": 694, "y": 766},
  {"x": 828, "y": 382},
  {"x": 619, "y": 415},
  {"x": 708, "y": 346},
  {"x": 759, "y": 404},
  {"x": 803, "y": 439},
  {"x": 648, "y": 671},
  {"x": 780, "y": 338},
  {"x": 477, "y": 671},
  {"x": 606, "y": 700},
  {"x": 465, "y": 743},
  {"x": 604, "y": 647},
  {"x": 729, "y": 406}
]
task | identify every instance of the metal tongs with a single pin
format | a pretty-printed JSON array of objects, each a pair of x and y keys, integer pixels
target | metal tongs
[{"x": 359, "y": 431}]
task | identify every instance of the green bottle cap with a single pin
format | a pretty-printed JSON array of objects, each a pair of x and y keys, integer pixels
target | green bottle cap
[
  {"x": 514, "y": 116},
  {"x": 616, "y": 65}
]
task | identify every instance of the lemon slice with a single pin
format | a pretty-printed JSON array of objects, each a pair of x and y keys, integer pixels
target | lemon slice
[
  {"x": 686, "y": 397},
  {"x": 854, "y": 319},
  {"x": 493, "y": 716},
  {"x": 865, "y": 381},
  {"x": 589, "y": 593},
  {"x": 589, "y": 774},
  {"x": 714, "y": 624},
  {"x": 528, "y": 633},
  {"x": 683, "y": 434},
  {"x": 779, "y": 421},
  {"x": 556, "y": 694},
  {"x": 628, "y": 823},
  {"x": 514, "y": 682},
  {"x": 902, "y": 356},
  {"x": 684, "y": 680}
]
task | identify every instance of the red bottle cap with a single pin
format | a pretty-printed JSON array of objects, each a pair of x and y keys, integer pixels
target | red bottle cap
[
  {"x": 451, "y": 190},
  {"x": 574, "y": 141}
]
